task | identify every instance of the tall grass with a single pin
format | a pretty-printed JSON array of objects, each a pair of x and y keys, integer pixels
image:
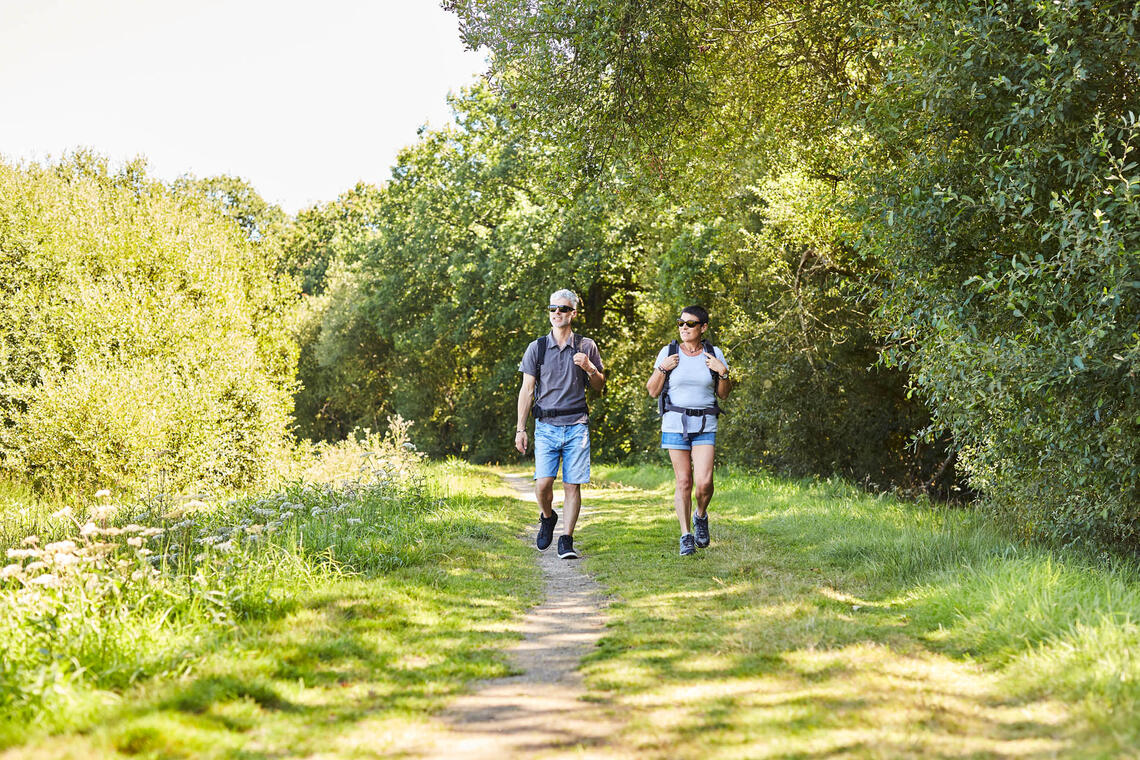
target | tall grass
[{"x": 106, "y": 593}]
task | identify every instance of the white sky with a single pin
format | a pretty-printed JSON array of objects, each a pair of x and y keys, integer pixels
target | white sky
[{"x": 303, "y": 98}]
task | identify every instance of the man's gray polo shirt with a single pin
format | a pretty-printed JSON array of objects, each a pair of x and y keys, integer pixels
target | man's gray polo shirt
[{"x": 562, "y": 384}]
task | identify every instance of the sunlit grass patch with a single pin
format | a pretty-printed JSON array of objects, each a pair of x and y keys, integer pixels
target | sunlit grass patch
[
  {"x": 270, "y": 622},
  {"x": 824, "y": 621}
]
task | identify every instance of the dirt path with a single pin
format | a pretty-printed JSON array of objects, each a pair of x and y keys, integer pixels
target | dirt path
[{"x": 540, "y": 712}]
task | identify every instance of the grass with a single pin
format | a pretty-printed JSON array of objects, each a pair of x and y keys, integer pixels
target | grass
[
  {"x": 822, "y": 622},
  {"x": 825, "y": 622},
  {"x": 357, "y": 651}
]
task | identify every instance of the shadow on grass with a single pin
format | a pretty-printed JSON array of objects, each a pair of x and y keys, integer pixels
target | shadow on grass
[
  {"x": 392, "y": 646},
  {"x": 811, "y": 628}
]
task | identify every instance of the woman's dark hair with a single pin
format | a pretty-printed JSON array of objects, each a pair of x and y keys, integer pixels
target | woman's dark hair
[{"x": 697, "y": 311}]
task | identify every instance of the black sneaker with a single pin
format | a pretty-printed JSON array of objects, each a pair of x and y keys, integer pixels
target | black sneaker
[
  {"x": 545, "y": 530},
  {"x": 701, "y": 530},
  {"x": 688, "y": 545},
  {"x": 566, "y": 548}
]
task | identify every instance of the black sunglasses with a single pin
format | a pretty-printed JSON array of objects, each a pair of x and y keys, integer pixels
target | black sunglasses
[
  {"x": 689, "y": 322},
  {"x": 562, "y": 309}
]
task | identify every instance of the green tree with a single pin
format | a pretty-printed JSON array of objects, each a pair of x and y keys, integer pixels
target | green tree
[{"x": 727, "y": 124}]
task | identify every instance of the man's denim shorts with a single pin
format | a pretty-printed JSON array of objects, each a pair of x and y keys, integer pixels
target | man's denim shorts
[
  {"x": 570, "y": 443},
  {"x": 677, "y": 441}
]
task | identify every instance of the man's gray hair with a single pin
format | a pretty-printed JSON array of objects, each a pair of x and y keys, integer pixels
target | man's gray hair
[{"x": 569, "y": 295}]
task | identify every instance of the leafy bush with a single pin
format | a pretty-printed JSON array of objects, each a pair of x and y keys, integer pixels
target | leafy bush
[
  {"x": 141, "y": 329},
  {"x": 1004, "y": 191}
]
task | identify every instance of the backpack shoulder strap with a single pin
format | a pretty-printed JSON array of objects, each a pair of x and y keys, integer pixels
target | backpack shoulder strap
[
  {"x": 663, "y": 397},
  {"x": 538, "y": 360},
  {"x": 577, "y": 344},
  {"x": 711, "y": 352}
]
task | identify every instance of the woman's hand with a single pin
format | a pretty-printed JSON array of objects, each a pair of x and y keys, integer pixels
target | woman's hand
[
  {"x": 715, "y": 364},
  {"x": 670, "y": 362}
]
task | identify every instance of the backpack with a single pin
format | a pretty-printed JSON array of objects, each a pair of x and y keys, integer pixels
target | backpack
[
  {"x": 539, "y": 412},
  {"x": 665, "y": 405}
]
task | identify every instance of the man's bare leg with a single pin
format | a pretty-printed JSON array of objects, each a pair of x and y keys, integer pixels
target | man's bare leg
[
  {"x": 544, "y": 495},
  {"x": 571, "y": 504}
]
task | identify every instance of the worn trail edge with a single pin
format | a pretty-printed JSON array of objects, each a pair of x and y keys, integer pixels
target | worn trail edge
[{"x": 540, "y": 712}]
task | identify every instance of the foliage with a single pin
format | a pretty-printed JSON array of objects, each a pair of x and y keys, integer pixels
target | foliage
[
  {"x": 982, "y": 218},
  {"x": 1001, "y": 183},
  {"x": 722, "y": 124},
  {"x": 430, "y": 316},
  {"x": 139, "y": 330}
]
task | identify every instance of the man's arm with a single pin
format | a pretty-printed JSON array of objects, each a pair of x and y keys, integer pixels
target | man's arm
[
  {"x": 591, "y": 363},
  {"x": 597, "y": 380},
  {"x": 526, "y": 392}
]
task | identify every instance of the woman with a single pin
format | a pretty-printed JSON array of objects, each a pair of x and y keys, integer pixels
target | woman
[{"x": 689, "y": 376}]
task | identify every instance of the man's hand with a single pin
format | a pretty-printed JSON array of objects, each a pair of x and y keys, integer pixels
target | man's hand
[
  {"x": 584, "y": 362},
  {"x": 521, "y": 441}
]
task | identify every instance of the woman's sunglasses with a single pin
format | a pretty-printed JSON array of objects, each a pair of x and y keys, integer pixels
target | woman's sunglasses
[
  {"x": 689, "y": 322},
  {"x": 561, "y": 309}
]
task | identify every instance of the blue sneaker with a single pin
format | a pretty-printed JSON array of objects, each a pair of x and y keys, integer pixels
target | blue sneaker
[
  {"x": 688, "y": 545},
  {"x": 545, "y": 530},
  {"x": 701, "y": 530},
  {"x": 566, "y": 547}
]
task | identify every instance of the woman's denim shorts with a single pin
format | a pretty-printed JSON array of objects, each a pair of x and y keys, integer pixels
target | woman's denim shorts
[{"x": 677, "y": 440}]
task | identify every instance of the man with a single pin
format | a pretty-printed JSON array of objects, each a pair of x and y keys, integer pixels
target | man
[{"x": 559, "y": 366}]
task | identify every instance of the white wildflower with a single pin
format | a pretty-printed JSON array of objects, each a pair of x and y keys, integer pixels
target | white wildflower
[
  {"x": 61, "y": 547},
  {"x": 62, "y": 513},
  {"x": 315, "y": 511},
  {"x": 104, "y": 512},
  {"x": 39, "y": 564},
  {"x": 10, "y": 571},
  {"x": 51, "y": 580},
  {"x": 31, "y": 540},
  {"x": 134, "y": 541},
  {"x": 354, "y": 521},
  {"x": 144, "y": 552},
  {"x": 151, "y": 532},
  {"x": 181, "y": 525},
  {"x": 132, "y": 528},
  {"x": 65, "y": 560},
  {"x": 88, "y": 530},
  {"x": 225, "y": 546},
  {"x": 200, "y": 557},
  {"x": 24, "y": 553},
  {"x": 102, "y": 493}
]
